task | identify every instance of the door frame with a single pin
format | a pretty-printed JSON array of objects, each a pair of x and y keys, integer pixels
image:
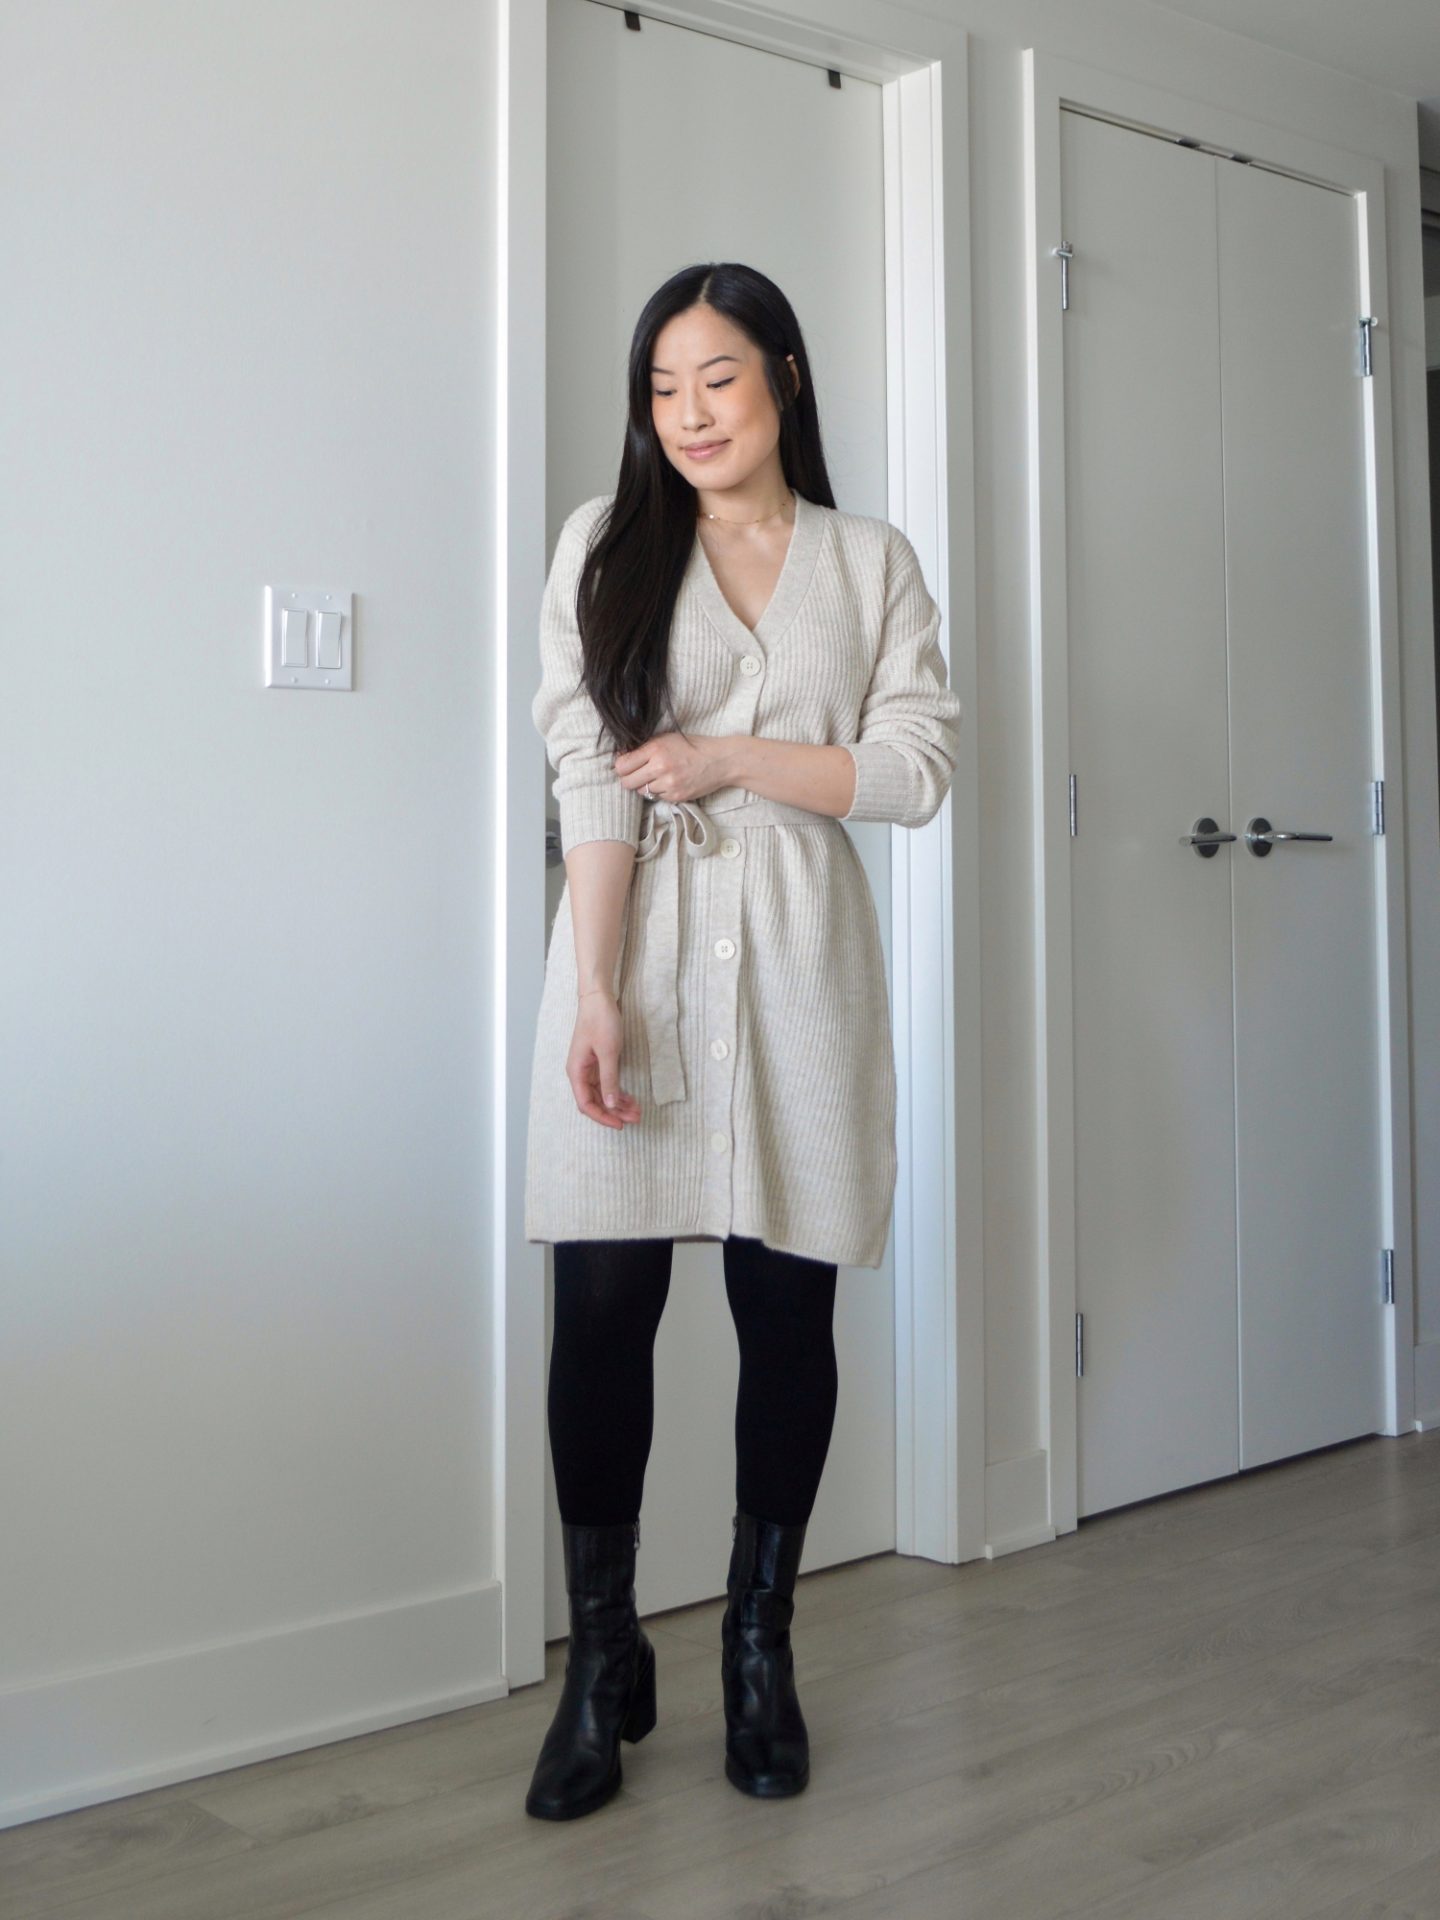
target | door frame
[
  {"x": 935, "y": 942},
  {"x": 1051, "y": 84}
]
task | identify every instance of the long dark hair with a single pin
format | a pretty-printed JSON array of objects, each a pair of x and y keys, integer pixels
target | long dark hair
[{"x": 638, "y": 555}]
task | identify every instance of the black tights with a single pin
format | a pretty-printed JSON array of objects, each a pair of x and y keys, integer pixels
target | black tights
[{"x": 609, "y": 1296}]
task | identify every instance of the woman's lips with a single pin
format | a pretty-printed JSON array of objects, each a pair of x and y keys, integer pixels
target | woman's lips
[{"x": 706, "y": 452}]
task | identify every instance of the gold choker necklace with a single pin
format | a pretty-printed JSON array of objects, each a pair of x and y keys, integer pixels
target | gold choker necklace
[{"x": 745, "y": 523}]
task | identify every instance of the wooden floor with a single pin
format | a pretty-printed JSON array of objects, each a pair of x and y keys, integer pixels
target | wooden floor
[{"x": 1226, "y": 1702}]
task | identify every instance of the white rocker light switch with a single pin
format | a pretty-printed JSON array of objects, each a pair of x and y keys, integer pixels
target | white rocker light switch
[
  {"x": 294, "y": 628},
  {"x": 327, "y": 647}
]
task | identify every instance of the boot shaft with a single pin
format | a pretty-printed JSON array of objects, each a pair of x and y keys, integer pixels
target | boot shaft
[
  {"x": 600, "y": 1583},
  {"x": 600, "y": 1561},
  {"x": 764, "y": 1564}
]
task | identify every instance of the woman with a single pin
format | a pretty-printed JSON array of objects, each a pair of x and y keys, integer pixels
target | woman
[{"x": 730, "y": 668}]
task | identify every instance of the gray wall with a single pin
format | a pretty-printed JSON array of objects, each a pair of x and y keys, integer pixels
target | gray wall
[{"x": 245, "y": 335}]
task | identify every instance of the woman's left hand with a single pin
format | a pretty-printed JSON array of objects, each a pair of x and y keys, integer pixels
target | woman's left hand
[{"x": 675, "y": 767}]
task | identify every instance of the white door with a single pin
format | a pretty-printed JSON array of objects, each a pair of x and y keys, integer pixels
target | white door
[
  {"x": 1308, "y": 1156},
  {"x": 1227, "y": 1095},
  {"x": 667, "y": 147},
  {"x": 1153, "y": 1008}
]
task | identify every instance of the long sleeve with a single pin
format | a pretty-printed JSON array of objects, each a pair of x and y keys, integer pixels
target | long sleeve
[
  {"x": 909, "y": 720},
  {"x": 593, "y": 803}
]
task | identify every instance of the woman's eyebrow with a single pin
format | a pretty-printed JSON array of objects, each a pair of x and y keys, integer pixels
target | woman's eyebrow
[{"x": 702, "y": 366}]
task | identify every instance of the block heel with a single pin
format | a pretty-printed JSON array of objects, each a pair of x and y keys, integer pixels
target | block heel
[{"x": 641, "y": 1718}]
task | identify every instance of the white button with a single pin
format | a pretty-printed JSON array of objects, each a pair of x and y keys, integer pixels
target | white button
[
  {"x": 749, "y": 663},
  {"x": 719, "y": 1049},
  {"x": 729, "y": 848},
  {"x": 719, "y": 1141},
  {"x": 724, "y": 948}
]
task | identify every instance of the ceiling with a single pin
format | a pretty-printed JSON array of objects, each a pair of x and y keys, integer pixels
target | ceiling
[{"x": 1393, "y": 43}]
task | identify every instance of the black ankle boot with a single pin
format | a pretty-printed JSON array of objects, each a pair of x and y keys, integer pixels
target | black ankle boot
[
  {"x": 609, "y": 1692},
  {"x": 767, "y": 1747}
]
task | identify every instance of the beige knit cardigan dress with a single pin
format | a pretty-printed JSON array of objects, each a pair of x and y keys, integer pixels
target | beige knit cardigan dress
[{"x": 750, "y": 974}]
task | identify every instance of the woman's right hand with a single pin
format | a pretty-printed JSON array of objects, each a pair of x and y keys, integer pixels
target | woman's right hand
[{"x": 593, "y": 1064}]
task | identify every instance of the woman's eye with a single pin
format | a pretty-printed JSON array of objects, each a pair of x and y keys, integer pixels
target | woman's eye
[{"x": 668, "y": 393}]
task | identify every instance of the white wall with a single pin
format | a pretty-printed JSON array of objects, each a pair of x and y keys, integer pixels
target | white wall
[
  {"x": 245, "y": 335},
  {"x": 244, "y": 1330}
]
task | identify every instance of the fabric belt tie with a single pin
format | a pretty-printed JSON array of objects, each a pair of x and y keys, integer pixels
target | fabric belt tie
[{"x": 688, "y": 829}]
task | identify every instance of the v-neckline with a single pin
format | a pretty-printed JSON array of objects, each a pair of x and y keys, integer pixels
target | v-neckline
[{"x": 790, "y": 583}]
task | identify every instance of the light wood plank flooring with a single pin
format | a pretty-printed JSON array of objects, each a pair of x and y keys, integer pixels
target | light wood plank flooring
[{"x": 1221, "y": 1703}]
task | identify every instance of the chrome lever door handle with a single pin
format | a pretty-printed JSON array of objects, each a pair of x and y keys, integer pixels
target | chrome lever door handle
[
  {"x": 1261, "y": 836},
  {"x": 1207, "y": 839}
]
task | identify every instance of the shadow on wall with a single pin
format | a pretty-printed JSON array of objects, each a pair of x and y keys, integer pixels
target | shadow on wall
[{"x": 1430, "y": 219}]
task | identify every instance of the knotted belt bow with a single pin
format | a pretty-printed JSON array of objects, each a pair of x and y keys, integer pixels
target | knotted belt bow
[{"x": 688, "y": 829}]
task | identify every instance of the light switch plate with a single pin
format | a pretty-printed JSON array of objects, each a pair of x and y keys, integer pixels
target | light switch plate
[{"x": 309, "y": 633}]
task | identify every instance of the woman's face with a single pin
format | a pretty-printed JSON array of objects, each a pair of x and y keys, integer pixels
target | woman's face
[{"x": 708, "y": 390}]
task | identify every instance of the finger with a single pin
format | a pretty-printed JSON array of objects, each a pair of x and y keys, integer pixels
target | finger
[
  {"x": 638, "y": 777},
  {"x": 586, "y": 1090},
  {"x": 609, "y": 1063},
  {"x": 642, "y": 746},
  {"x": 613, "y": 1096}
]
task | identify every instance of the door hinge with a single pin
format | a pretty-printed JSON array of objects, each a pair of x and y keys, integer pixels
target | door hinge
[
  {"x": 1079, "y": 1344},
  {"x": 1387, "y": 1273},
  {"x": 1367, "y": 321},
  {"x": 1064, "y": 253},
  {"x": 1378, "y": 787},
  {"x": 1072, "y": 806}
]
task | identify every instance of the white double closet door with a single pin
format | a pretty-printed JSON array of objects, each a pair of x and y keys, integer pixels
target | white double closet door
[{"x": 1228, "y": 1134}]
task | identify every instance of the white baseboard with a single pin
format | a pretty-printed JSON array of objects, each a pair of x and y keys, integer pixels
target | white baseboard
[
  {"x": 74, "y": 1740},
  {"x": 1017, "y": 1503}
]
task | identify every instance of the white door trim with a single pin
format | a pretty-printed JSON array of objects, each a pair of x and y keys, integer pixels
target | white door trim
[
  {"x": 1051, "y": 83},
  {"x": 939, "y": 1345}
]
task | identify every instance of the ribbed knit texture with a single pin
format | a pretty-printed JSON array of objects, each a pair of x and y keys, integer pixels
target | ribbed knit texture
[{"x": 786, "y": 1129}]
